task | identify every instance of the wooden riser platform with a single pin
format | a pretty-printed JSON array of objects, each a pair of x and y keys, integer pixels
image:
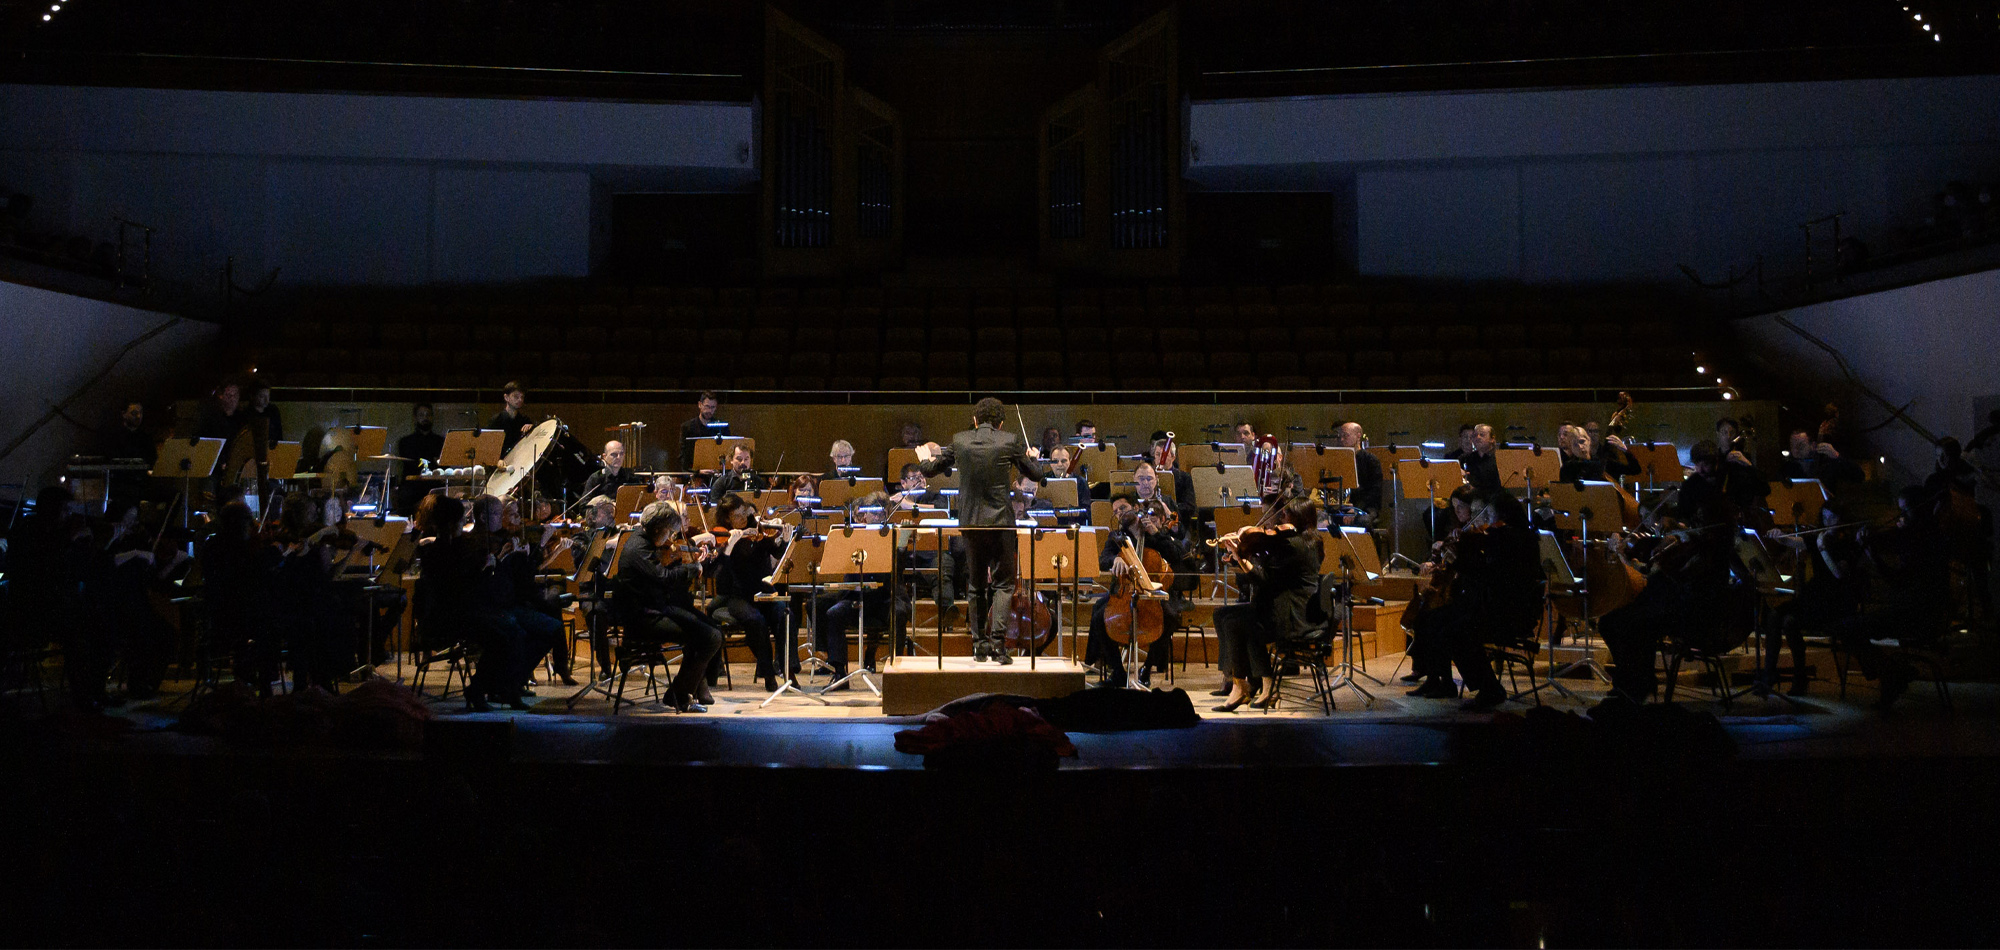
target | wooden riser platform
[{"x": 914, "y": 684}]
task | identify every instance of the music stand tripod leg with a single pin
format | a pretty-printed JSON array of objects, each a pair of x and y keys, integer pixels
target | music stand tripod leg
[{"x": 791, "y": 682}]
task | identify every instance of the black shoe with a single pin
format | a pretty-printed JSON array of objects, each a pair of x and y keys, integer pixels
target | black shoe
[
  {"x": 1232, "y": 707},
  {"x": 518, "y": 704},
  {"x": 1895, "y": 682},
  {"x": 1146, "y": 676},
  {"x": 1435, "y": 688},
  {"x": 1413, "y": 678},
  {"x": 770, "y": 683},
  {"x": 1004, "y": 658},
  {"x": 476, "y": 702},
  {"x": 527, "y": 692},
  {"x": 1219, "y": 692},
  {"x": 568, "y": 680},
  {"x": 979, "y": 657},
  {"x": 1800, "y": 686},
  {"x": 1484, "y": 699}
]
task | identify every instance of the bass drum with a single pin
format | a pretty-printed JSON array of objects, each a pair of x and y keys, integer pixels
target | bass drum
[
  {"x": 566, "y": 465},
  {"x": 511, "y": 475}
]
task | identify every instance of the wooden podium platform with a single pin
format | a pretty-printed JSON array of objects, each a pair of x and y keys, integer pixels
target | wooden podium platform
[{"x": 914, "y": 684}]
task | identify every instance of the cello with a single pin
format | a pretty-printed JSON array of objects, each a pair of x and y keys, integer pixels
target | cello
[{"x": 1131, "y": 614}]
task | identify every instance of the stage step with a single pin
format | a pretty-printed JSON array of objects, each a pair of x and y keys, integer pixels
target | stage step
[{"x": 914, "y": 684}]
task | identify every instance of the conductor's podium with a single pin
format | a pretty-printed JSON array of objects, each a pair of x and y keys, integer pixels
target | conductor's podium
[{"x": 915, "y": 684}]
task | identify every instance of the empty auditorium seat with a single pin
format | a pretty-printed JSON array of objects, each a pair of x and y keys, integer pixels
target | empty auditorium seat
[
  {"x": 722, "y": 340},
  {"x": 1361, "y": 334},
  {"x": 447, "y": 336},
  {"x": 1225, "y": 337},
  {"x": 1291, "y": 382},
  {"x": 995, "y": 318},
  {"x": 1240, "y": 383},
  {"x": 1454, "y": 335},
  {"x": 632, "y": 339},
  {"x": 995, "y": 338},
  {"x": 802, "y": 384},
  {"x": 769, "y": 339},
  {"x": 1230, "y": 363},
  {"x": 1420, "y": 361},
  {"x": 1043, "y": 383},
  {"x": 1181, "y": 364},
  {"x": 1084, "y": 340},
  {"x": 1041, "y": 338},
  {"x": 902, "y": 363},
  {"x": 1041, "y": 362},
  {"x": 995, "y": 363},
  {"x": 1488, "y": 381},
  {"x": 1504, "y": 334},
  {"x": 1179, "y": 339},
  {"x": 1404, "y": 334},
  {"x": 808, "y": 363},
  {"x": 1277, "y": 362},
  {"x": 954, "y": 338},
  {"x": 1038, "y": 317},
  {"x": 1385, "y": 382},
  {"x": 1319, "y": 362},
  {"x": 608, "y": 382},
  {"x": 1438, "y": 381},
  {"x": 1308, "y": 338}
]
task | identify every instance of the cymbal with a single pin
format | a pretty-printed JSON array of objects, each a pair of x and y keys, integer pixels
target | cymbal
[{"x": 389, "y": 458}]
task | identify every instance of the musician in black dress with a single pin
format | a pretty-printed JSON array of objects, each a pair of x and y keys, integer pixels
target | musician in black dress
[
  {"x": 1285, "y": 569},
  {"x": 1837, "y": 589},
  {"x": 510, "y": 420},
  {"x": 747, "y": 557},
  {"x": 237, "y": 571},
  {"x": 655, "y": 602},
  {"x": 457, "y": 600},
  {"x": 1141, "y": 529},
  {"x": 1690, "y": 595},
  {"x": 1581, "y": 461}
]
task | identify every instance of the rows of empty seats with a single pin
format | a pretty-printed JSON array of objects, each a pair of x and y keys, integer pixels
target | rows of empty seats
[{"x": 1158, "y": 338}]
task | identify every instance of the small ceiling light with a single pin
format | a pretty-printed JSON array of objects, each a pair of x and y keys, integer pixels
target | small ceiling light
[
  {"x": 1785, "y": 452},
  {"x": 1703, "y": 370},
  {"x": 1920, "y": 17},
  {"x": 1726, "y": 395},
  {"x": 1927, "y": 28},
  {"x": 1718, "y": 380},
  {"x": 45, "y": 18},
  {"x": 1882, "y": 459}
]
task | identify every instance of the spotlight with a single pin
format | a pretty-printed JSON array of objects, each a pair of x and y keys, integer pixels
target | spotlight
[
  {"x": 45, "y": 18},
  {"x": 1701, "y": 370},
  {"x": 56, "y": 8},
  {"x": 1882, "y": 459},
  {"x": 1718, "y": 380},
  {"x": 1726, "y": 396},
  {"x": 1920, "y": 18},
  {"x": 1785, "y": 452},
  {"x": 1927, "y": 28}
]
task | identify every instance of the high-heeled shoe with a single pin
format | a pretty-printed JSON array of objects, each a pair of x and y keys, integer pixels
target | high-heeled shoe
[
  {"x": 1267, "y": 703},
  {"x": 1233, "y": 704},
  {"x": 476, "y": 702}
]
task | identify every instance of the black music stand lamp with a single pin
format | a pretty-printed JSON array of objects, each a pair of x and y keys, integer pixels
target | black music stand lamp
[{"x": 867, "y": 550}]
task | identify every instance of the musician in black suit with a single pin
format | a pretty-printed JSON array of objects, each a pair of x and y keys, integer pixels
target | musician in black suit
[
  {"x": 613, "y": 476},
  {"x": 1142, "y": 529},
  {"x": 260, "y": 406},
  {"x": 699, "y": 427},
  {"x": 1482, "y": 470},
  {"x": 130, "y": 440},
  {"x": 655, "y": 603},
  {"x": 987, "y": 459},
  {"x": 740, "y": 476},
  {"x": 510, "y": 420},
  {"x": 421, "y": 445}
]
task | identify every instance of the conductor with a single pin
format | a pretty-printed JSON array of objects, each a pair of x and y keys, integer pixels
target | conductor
[{"x": 987, "y": 459}]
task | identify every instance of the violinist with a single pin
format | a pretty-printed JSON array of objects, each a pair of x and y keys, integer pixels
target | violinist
[
  {"x": 1731, "y": 479},
  {"x": 1835, "y": 592},
  {"x": 614, "y": 475},
  {"x": 1283, "y": 559},
  {"x": 1142, "y": 527},
  {"x": 1492, "y": 575},
  {"x": 1913, "y": 558},
  {"x": 127, "y": 570},
  {"x": 749, "y": 553},
  {"x": 838, "y": 614},
  {"x": 454, "y": 602},
  {"x": 1690, "y": 595},
  {"x": 523, "y": 595},
  {"x": 236, "y": 572},
  {"x": 740, "y": 476},
  {"x": 303, "y": 590},
  {"x": 655, "y": 601}
]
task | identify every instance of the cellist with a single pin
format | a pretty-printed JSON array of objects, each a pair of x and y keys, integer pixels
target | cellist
[{"x": 1142, "y": 529}]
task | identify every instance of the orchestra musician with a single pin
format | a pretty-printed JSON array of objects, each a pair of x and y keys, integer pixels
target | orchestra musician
[
  {"x": 525, "y": 597},
  {"x": 703, "y": 425},
  {"x": 125, "y": 573},
  {"x": 1835, "y": 591},
  {"x": 421, "y": 445},
  {"x": 302, "y": 590},
  {"x": 655, "y": 602},
  {"x": 935, "y": 569},
  {"x": 614, "y": 475},
  {"x": 1579, "y": 458},
  {"x": 510, "y": 420},
  {"x": 1140, "y": 527},
  {"x": 1367, "y": 490},
  {"x": 1482, "y": 469},
  {"x": 748, "y": 555},
  {"x": 1809, "y": 458},
  {"x": 130, "y": 440},
  {"x": 1688, "y": 594},
  {"x": 225, "y": 417},
  {"x": 261, "y": 408},
  {"x": 1494, "y": 595},
  {"x": 1732, "y": 479},
  {"x": 986, "y": 457},
  {"x": 236, "y": 569},
  {"x": 1285, "y": 567},
  {"x": 739, "y": 476},
  {"x": 840, "y": 460},
  {"x": 1165, "y": 457},
  {"x": 1912, "y": 556}
]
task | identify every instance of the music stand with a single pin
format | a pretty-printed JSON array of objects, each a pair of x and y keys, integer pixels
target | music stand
[
  {"x": 630, "y": 498},
  {"x": 1201, "y": 454},
  {"x": 1069, "y": 547},
  {"x": 1430, "y": 479},
  {"x": 284, "y": 458},
  {"x": 892, "y": 466},
  {"x": 939, "y": 530},
  {"x": 1657, "y": 461},
  {"x": 1358, "y": 562},
  {"x": 867, "y": 550},
  {"x": 1221, "y": 486},
  {"x": 1562, "y": 582},
  {"x": 1803, "y": 499},
  {"x": 720, "y": 448},
  {"x": 798, "y": 566},
  {"x": 1228, "y": 520},
  {"x": 1094, "y": 457},
  {"x": 1578, "y": 508},
  {"x": 1324, "y": 466},
  {"x": 1526, "y": 468},
  {"x": 464, "y": 448},
  {"x": 187, "y": 460},
  {"x": 837, "y": 492}
]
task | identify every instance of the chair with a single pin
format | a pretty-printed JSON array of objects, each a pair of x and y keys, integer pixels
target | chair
[
  {"x": 1312, "y": 647},
  {"x": 1515, "y": 656},
  {"x": 1929, "y": 658}
]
